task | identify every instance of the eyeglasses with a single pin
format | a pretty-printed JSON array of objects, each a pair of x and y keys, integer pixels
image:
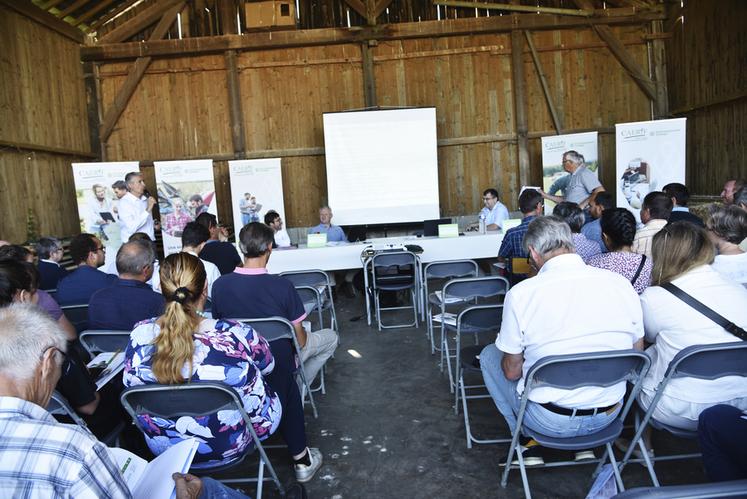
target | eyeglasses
[
  {"x": 488, "y": 199},
  {"x": 101, "y": 248}
]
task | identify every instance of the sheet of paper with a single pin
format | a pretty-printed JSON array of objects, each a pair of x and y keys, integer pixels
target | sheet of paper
[
  {"x": 156, "y": 482},
  {"x": 448, "y": 318},
  {"x": 111, "y": 362},
  {"x": 448, "y": 230},
  {"x": 130, "y": 465},
  {"x": 448, "y": 300}
]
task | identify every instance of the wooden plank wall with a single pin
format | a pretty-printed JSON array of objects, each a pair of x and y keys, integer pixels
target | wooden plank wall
[
  {"x": 707, "y": 64},
  {"x": 180, "y": 108},
  {"x": 42, "y": 109}
]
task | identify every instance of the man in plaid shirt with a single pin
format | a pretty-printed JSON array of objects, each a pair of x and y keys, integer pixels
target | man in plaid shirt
[{"x": 530, "y": 204}]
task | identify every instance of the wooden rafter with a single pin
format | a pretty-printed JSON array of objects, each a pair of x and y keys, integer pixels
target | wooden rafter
[
  {"x": 380, "y": 6},
  {"x": 358, "y": 6},
  {"x": 556, "y": 119},
  {"x": 138, "y": 23},
  {"x": 111, "y": 15},
  {"x": 136, "y": 73},
  {"x": 51, "y": 4},
  {"x": 516, "y": 8},
  {"x": 91, "y": 12},
  {"x": 31, "y": 11},
  {"x": 75, "y": 6}
]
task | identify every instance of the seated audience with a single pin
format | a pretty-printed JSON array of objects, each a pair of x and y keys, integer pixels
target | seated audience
[
  {"x": 182, "y": 347},
  {"x": 618, "y": 231},
  {"x": 49, "y": 250},
  {"x": 251, "y": 292},
  {"x": 593, "y": 230},
  {"x": 655, "y": 212},
  {"x": 740, "y": 200},
  {"x": 275, "y": 222},
  {"x": 680, "y": 195},
  {"x": 574, "y": 217},
  {"x": 722, "y": 432},
  {"x": 155, "y": 280},
  {"x": 537, "y": 323},
  {"x": 530, "y": 204},
  {"x": 494, "y": 211},
  {"x": 44, "y": 299},
  {"x": 334, "y": 232},
  {"x": 730, "y": 188},
  {"x": 194, "y": 237},
  {"x": 221, "y": 253},
  {"x": 727, "y": 227},
  {"x": 78, "y": 286},
  {"x": 129, "y": 300},
  {"x": 682, "y": 256}
]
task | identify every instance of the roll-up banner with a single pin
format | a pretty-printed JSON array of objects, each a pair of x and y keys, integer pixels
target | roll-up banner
[
  {"x": 256, "y": 188},
  {"x": 555, "y": 178},
  {"x": 185, "y": 190},
  {"x": 650, "y": 154},
  {"x": 98, "y": 188}
]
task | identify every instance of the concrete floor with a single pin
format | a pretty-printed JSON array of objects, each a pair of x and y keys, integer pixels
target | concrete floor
[{"x": 387, "y": 428}]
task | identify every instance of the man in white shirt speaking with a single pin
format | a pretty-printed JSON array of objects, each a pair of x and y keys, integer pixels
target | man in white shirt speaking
[
  {"x": 135, "y": 208},
  {"x": 567, "y": 308}
]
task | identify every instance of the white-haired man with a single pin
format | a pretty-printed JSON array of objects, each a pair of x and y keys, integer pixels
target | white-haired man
[
  {"x": 537, "y": 323},
  {"x": 583, "y": 184}
]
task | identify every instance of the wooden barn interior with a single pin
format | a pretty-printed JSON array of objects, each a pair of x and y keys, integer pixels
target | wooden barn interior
[{"x": 153, "y": 80}]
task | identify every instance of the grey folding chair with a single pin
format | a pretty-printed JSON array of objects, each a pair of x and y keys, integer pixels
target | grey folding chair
[
  {"x": 312, "y": 300},
  {"x": 278, "y": 328},
  {"x": 196, "y": 400},
  {"x": 395, "y": 271},
  {"x": 733, "y": 488},
  {"x": 319, "y": 280},
  {"x": 475, "y": 319},
  {"x": 568, "y": 372},
  {"x": 77, "y": 315},
  {"x": 59, "y": 406},
  {"x": 97, "y": 341},
  {"x": 706, "y": 362},
  {"x": 471, "y": 289},
  {"x": 446, "y": 269}
]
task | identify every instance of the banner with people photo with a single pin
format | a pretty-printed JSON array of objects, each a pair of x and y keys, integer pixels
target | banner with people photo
[
  {"x": 650, "y": 155},
  {"x": 256, "y": 188},
  {"x": 98, "y": 188},
  {"x": 185, "y": 190},
  {"x": 555, "y": 178}
]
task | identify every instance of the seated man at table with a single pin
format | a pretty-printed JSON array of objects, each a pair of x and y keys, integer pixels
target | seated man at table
[
  {"x": 530, "y": 204},
  {"x": 129, "y": 300},
  {"x": 494, "y": 211},
  {"x": 251, "y": 292},
  {"x": 537, "y": 323},
  {"x": 334, "y": 232},
  {"x": 275, "y": 222},
  {"x": 78, "y": 286}
]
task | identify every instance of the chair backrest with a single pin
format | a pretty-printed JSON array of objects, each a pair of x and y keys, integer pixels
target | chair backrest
[
  {"x": 475, "y": 287},
  {"x": 96, "y": 341},
  {"x": 59, "y": 406},
  {"x": 450, "y": 268},
  {"x": 77, "y": 315},
  {"x": 175, "y": 401},
  {"x": 271, "y": 328},
  {"x": 478, "y": 318},
  {"x": 710, "y": 362},
  {"x": 306, "y": 277},
  {"x": 394, "y": 259}
]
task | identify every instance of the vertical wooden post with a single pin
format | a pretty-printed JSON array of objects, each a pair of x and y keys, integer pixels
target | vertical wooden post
[
  {"x": 369, "y": 78},
  {"x": 227, "y": 13},
  {"x": 520, "y": 109},
  {"x": 234, "y": 101},
  {"x": 659, "y": 60},
  {"x": 92, "y": 107}
]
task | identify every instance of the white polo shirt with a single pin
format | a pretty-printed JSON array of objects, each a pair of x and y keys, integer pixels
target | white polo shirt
[{"x": 570, "y": 308}]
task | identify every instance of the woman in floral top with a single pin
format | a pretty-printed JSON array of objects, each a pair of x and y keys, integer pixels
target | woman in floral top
[
  {"x": 201, "y": 349},
  {"x": 618, "y": 232}
]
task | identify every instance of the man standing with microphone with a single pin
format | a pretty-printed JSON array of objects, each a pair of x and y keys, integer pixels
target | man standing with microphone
[{"x": 136, "y": 208}]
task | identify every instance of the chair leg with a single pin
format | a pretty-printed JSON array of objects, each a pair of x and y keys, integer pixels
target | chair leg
[
  {"x": 615, "y": 469},
  {"x": 456, "y": 390},
  {"x": 523, "y": 470},
  {"x": 445, "y": 353},
  {"x": 467, "y": 428},
  {"x": 260, "y": 478},
  {"x": 513, "y": 448},
  {"x": 649, "y": 464}
]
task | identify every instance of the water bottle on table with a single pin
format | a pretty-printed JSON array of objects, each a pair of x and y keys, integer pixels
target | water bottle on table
[{"x": 483, "y": 228}]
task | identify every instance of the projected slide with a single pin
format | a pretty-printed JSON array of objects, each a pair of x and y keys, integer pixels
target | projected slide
[{"x": 382, "y": 166}]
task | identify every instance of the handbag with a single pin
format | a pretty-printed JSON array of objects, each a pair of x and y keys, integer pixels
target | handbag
[{"x": 707, "y": 311}]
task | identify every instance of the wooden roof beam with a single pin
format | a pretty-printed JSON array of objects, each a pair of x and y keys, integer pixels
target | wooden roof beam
[
  {"x": 380, "y": 6},
  {"x": 114, "y": 13},
  {"x": 516, "y": 8},
  {"x": 51, "y": 4},
  {"x": 75, "y": 6},
  {"x": 31, "y": 11},
  {"x": 338, "y": 36},
  {"x": 91, "y": 12},
  {"x": 138, "y": 23},
  {"x": 358, "y": 6}
]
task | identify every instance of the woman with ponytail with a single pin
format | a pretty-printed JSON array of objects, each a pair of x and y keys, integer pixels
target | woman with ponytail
[
  {"x": 182, "y": 346},
  {"x": 618, "y": 232}
]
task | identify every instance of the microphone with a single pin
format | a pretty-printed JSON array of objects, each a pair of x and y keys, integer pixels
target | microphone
[{"x": 146, "y": 193}]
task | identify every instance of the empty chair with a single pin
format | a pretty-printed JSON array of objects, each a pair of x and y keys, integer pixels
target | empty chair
[
  {"x": 77, "y": 315},
  {"x": 569, "y": 372},
  {"x": 97, "y": 341},
  {"x": 320, "y": 280},
  {"x": 395, "y": 271},
  {"x": 197, "y": 400}
]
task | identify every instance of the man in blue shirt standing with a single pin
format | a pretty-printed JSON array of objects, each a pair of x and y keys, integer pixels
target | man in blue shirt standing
[
  {"x": 78, "y": 286},
  {"x": 130, "y": 299},
  {"x": 334, "y": 232}
]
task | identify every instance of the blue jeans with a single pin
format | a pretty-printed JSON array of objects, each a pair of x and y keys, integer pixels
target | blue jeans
[
  {"x": 213, "y": 489},
  {"x": 245, "y": 218},
  {"x": 536, "y": 417}
]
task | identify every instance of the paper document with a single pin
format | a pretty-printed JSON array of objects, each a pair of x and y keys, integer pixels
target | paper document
[
  {"x": 448, "y": 300},
  {"x": 110, "y": 363},
  {"x": 448, "y": 318},
  {"x": 153, "y": 480}
]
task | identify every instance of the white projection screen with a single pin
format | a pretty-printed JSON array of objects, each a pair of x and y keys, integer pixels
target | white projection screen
[{"x": 382, "y": 166}]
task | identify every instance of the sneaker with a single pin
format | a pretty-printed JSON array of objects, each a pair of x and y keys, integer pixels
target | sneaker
[
  {"x": 305, "y": 473},
  {"x": 531, "y": 452},
  {"x": 584, "y": 455}
]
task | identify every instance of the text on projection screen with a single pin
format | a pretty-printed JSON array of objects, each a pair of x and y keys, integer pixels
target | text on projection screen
[{"x": 382, "y": 166}]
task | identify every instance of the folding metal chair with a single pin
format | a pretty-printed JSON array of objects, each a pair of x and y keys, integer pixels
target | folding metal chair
[
  {"x": 706, "y": 362},
  {"x": 59, "y": 406},
  {"x": 388, "y": 275},
  {"x": 475, "y": 319},
  {"x": 312, "y": 300},
  {"x": 446, "y": 269},
  {"x": 470, "y": 289},
  {"x": 568, "y": 372},
  {"x": 196, "y": 400},
  {"x": 278, "y": 328},
  {"x": 77, "y": 315},
  {"x": 319, "y": 280},
  {"x": 97, "y": 341},
  {"x": 733, "y": 488}
]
